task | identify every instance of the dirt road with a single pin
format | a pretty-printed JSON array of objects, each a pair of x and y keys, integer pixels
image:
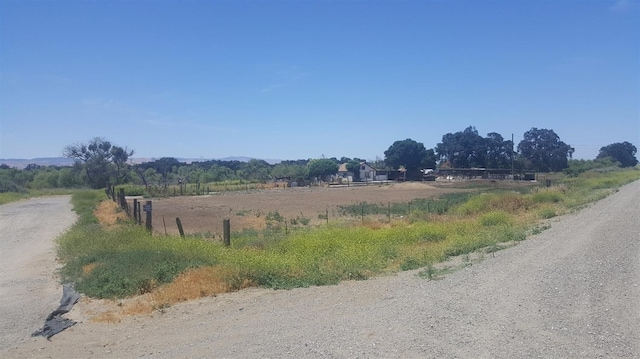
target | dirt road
[
  {"x": 572, "y": 291},
  {"x": 29, "y": 290}
]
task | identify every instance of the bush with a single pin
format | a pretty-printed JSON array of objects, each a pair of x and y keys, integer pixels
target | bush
[
  {"x": 495, "y": 218},
  {"x": 547, "y": 196},
  {"x": 507, "y": 201}
]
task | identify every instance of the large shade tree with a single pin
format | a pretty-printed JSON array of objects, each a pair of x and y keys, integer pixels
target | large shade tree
[
  {"x": 409, "y": 154},
  {"x": 499, "y": 151},
  {"x": 622, "y": 152},
  {"x": 102, "y": 162},
  {"x": 464, "y": 149},
  {"x": 543, "y": 150},
  {"x": 322, "y": 168}
]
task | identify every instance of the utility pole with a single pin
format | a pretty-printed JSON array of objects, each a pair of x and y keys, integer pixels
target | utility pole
[{"x": 512, "y": 144}]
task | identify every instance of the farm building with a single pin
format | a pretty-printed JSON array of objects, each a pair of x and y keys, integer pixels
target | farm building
[{"x": 367, "y": 173}]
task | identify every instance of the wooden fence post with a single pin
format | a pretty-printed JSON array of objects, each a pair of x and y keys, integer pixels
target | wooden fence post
[
  {"x": 226, "y": 226},
  {"x": 135, "y": 210},
  {"x": 180, "y": 229},
  {"x": 123, "y": 203},
  {"x": 147, "y": 209}
]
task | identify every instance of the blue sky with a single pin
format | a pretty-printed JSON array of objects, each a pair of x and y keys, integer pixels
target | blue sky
[{"x": 302, "y": 79}]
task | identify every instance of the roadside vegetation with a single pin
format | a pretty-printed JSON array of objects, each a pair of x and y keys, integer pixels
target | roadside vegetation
[{"x": 127, "y": 261}]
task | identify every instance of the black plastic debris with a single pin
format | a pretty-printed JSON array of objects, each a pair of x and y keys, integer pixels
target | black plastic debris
[{"x": 55, "y": 323}]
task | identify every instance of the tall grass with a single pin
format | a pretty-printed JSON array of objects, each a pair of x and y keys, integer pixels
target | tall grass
[
  {"x": 128, "y": 261},
  {"x": 439, "y": 205}
]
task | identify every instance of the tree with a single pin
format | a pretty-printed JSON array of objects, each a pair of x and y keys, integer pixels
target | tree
[
  {"x": 621, "y": 152},
  {"x": 544, "y": 151},
  {"x": 499, "y": 151},
  {"x": 322, "y": 167},
  {"x": 408, "y": 154},
  {"x": 429, "y": 161},
  {"x": 577, "y": 167},
  {"x": 256, "y": 170},
  {"x": 102, "y": 162},
  {"x": 293, "y": 172},
  {"x": 353, "y": 166},
  {"x": 463, "y": 149}
]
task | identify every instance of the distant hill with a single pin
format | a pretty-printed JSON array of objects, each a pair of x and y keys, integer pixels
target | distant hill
[
  {"x": 21, "y": 163},
  {"x": 41, "y": 161}
]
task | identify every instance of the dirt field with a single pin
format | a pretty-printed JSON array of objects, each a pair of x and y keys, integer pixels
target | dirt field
[{"x": 204, "y": 214}]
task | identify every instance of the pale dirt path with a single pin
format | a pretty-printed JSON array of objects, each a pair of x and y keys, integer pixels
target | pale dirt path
[
  {"x": 29, "y": 290},
  {"x": 572, "y": 291}
]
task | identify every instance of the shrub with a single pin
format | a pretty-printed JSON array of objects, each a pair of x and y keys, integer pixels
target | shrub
[
  {"x": 495, "y": 218},
  {"x": 547, "y": 212},
  {"x": 547, "y": 196},
  {"x": 507, "y": 201}
]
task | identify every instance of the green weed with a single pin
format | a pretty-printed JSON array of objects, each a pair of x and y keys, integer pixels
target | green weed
[
  {"x": 128, "y": 261},
  {"x": 495, "y": 218}
]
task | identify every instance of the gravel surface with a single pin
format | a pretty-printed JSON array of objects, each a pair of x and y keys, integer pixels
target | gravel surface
[
  {"x": 572, "y": 291},
  {"x": 28, "y": 287}
]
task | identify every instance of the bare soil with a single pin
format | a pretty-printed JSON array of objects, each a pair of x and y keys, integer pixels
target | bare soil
[{"x": 204, "y": 214}]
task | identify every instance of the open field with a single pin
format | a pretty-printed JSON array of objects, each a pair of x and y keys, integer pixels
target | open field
[
  {"x": 570, "y": 291},
  {"x": 204, "y": 214}
]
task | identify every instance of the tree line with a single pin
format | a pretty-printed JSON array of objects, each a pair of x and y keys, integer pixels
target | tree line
[{"x": 99, "y": 163}]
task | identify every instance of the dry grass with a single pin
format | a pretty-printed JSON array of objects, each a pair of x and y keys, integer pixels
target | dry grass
[
  {"x": 192, "y": 284},
  {"x": 88, "y": 268},
  {"x": 109, "y": 214}
]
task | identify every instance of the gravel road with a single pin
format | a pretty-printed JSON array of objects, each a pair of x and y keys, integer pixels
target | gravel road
[
  {"x": 572, "y": 291},
  {"x": 29, "y": 290}
]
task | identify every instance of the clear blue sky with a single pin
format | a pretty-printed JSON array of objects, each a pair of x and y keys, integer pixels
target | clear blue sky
[{"x": 292, "y": 80}]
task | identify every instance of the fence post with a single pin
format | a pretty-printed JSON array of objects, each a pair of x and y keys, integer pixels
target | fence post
[
  {"x": 139, "y": 214},
  {"x": 548, "y": 183},
  {"x": 327, "y": 213},
  {"x": 123, "y": 202},
  {"x": 148, "y": 222},
  {"x": 226, "y": 226},
  {"x": 135, "y": 210},
  {"x": 389, "y": 211},
  {"x": 179, "y": 223}
]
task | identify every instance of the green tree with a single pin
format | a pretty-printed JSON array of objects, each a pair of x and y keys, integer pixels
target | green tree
[
  {"x": 256, "y": 170},
  {"x": 294, "y": 172},
  {"x": 353, "y": 166},
  {"x": 429, "y": 161},
  {"x": 499, "y": 151},
  {"x": 102, "y": 162},
  {"x": 544, "y": 150},
  {"x": 408, "y": 154},
  {"x": 579, "y": 166},
  {"x": 464, "y": 149},
  {"x": 45, "y": 178},
  {"x": 623, "y": 152},
  {"x": 322, "y": 168}
]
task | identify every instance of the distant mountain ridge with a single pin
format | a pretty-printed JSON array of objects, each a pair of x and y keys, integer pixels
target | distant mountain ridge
[{"x": 22, "y": 163}]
